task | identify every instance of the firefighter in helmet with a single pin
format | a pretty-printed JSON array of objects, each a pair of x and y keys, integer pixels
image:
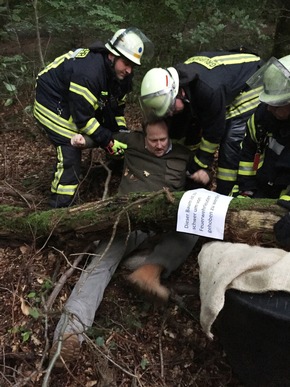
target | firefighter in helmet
[
  {"x": 208, "y": 103},
  {"x": 264, "y": 168},
  {"x": 84, "y": 91}
]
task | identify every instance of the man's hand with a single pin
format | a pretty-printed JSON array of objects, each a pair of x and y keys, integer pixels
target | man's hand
[
  {"x": 201, "y": 176},
  {"x": 116, "y": 148},
  {"x": 78, "y": 141},
  {"x": 282, "y": 231}
]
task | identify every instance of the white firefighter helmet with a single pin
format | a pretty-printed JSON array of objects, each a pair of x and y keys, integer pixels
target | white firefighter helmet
[
  {"x": 159, "y": 89},
  {"x": 274, "y": 76},
  {"x": 130, "y": 43}
]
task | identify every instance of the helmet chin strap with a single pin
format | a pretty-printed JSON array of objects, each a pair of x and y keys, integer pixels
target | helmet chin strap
[
  {"x": 112, "y": 60},
  {"x": 182, "y": 96}
]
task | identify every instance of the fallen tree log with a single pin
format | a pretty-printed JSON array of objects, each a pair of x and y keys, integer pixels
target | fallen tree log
[{"x": 247, "y": 220}]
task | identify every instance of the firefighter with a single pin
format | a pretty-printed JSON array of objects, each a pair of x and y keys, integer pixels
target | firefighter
[
  {"x": 84, "y": 91},
  {"x": 264, "y": 168},
  {"x": 208, "y": 100}
]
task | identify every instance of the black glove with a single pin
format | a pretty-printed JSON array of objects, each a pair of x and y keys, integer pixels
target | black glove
[{"x": 282, "y": 231}]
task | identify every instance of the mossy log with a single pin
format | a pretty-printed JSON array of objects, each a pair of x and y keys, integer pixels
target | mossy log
[{"x": 247, "y": 220}]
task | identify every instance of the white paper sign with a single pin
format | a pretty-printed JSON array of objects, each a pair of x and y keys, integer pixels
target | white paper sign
[{"x": 203, "y": 212}]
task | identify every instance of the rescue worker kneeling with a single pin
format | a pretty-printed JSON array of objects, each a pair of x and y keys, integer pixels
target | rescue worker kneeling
[
  {"x": 264, "y": 168},
  {"x": 84, "y": 91}
]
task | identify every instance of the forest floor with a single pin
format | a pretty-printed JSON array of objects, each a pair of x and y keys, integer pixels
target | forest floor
[{"x": 132, "y": 342}]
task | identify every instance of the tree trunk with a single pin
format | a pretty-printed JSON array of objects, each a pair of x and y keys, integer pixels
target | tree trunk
[
  {"x": 247, "y": 220},
  {"x": 282, "y": 33}
]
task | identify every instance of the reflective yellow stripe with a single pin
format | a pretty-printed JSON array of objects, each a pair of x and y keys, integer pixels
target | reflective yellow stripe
[
  {"x": 193, "y": 147},
  {"x": 216, "y": 61},
  {"x": 198, "y": 162},
  {"x": 55, "y": 186},
  {"x": 246, "y": 168},
  {"x": 84, "y": 92},
  {"x": 65, "y": 189},
  {"x": 243, "y": 103},
  {"x": 121, "y": 121},
  {"x": 234, "y": 190},
  {"x": 209, "y": 63},
  {"x": 252, "y": 128},
  {"x": 237, "y": 58},
  {"x": 55, "y": 127},
  {"x": 285, "y": 197},
  {"x": 91, "y": 126},
  {"x": 227, "y": 174},
  {"x": 56, "y": 62},
  {"x": 207, "y": 146},
  {"x": 61, "y": 126},
  {"x": 68, "y": 124},
  {"x": 59, "y": 170}
]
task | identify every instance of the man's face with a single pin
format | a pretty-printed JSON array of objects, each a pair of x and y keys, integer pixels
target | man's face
[
  {"x": 280, "y": 112},
  {"x": 157, "y": 139},
  {"x": 123, "y": 67}
]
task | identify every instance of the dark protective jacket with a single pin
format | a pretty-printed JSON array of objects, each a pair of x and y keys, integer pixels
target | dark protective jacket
[
  {"x": 144, "y": 172},
  {"x": 79, "y": 92},
  {"x": 211, "y": 81},
  {"x": 265, "y": 156}
]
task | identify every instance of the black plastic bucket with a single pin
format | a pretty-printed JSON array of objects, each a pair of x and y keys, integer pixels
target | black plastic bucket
[{"x": 254, "y": 330}]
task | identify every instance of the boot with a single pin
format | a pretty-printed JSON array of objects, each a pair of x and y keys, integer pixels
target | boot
[
  {"x": 69, "y": 352},
  {"x": 147, "y": 279}
]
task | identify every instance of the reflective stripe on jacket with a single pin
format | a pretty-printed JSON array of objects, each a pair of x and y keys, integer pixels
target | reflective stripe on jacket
[
  {"x": 265, "y": 155},
  {"x": 78, "y": 92},
  {"x": 215, "y": 84}
]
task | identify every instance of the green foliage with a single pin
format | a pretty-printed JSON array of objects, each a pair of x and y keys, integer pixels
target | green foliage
[
  {"x": 220, "y": 25},
  {"x": 13, "y": 76},
  {"x": 100, "y": 341},
  {"x": 81, "y": 18},
  {"x": 24, "y": 332},
  {"x": 144, "y": 363},
  {"x": 178, "y": 28}
]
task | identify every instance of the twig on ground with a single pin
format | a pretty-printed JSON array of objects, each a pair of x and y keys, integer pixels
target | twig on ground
[
  {"x": 59, "y": 285},
  {"x": 57, "y": 352},
  {"x": 90, "y": 342},
  {"x": 18, "y": 193},
  {"x": 108, "y": 179},
  {"x": 160, "y": 347}
]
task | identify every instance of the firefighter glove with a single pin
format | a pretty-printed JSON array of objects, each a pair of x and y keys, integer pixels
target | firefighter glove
[
  {"x": 282, "y": 231},
  {"x": 117, "y": 149}
]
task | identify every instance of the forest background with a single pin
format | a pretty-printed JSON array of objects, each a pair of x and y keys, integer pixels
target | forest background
[
  {"x": 34, "y": 32},
  {"x": 132, "y": 343}
]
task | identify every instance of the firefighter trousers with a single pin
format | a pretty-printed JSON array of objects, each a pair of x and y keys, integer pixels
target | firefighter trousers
[
  {"x": 237, "y": 116},
  {"x": 67, "y": 170}
]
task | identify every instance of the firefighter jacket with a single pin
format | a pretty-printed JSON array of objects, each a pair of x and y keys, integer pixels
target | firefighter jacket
[
  {"x": 144, "y": 172},
  {"x": 265, "y": 155},
  {"x": 211, "y": 81},
  {"x": 79, "y": 93}
]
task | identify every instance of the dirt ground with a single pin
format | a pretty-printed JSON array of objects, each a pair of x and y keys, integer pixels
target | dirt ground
[{"x": 132, "y": 342}]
